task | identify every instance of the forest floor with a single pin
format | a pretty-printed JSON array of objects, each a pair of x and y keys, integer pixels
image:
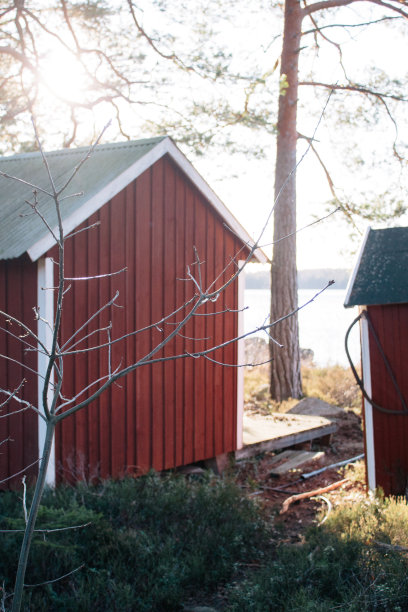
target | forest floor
[{"x": 335, "y": 386}]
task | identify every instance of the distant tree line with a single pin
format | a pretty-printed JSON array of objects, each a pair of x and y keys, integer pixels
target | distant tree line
[{"x": 307, "y": 279}]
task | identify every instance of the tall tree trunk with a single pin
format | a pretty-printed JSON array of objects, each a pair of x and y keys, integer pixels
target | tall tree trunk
[{"x": 285, "y": 367}]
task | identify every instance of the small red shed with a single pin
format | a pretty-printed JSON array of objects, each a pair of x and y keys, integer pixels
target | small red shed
[
  {"x": 145, "y": 208},
  {"x": 379, "y": 286}
]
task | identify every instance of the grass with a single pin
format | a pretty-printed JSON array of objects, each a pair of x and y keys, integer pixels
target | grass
[
  {"x": 339, "y": 567},
  {"x": 335, "y": 385}
]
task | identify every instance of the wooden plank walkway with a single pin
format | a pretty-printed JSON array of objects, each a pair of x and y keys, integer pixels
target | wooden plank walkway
[
  {"x": 267, "y": 433},
  {"x": 289, "y": 460}
]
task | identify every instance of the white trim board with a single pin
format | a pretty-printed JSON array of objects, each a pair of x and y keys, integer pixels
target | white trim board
[
  {"x": 165, "y": 146},
  {"x": 45, "y": 304},
  {"x": 356, "y": 268},
  {"x": 240, "y": 357},
  {"x": 368, "y": 409}
]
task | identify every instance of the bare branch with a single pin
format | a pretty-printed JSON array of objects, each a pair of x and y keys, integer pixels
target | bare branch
[
  {"x": 84, "y": 229},
  {"x": 11, "y": 393},
  {"x": 20, "y": 363},
  {"x": 55, "y": 579},
  {"x": 9, "y": 317},
  {"x": 88, "y": 321},
  {"x": 381, "y": 97},
  {"x": 80, "y": 278},
  {"x": 83, "y": 160},
  {"x": 15, "y": 178},
  {"x": 27, "y": 467},
  {"x": 24, "y": 498},
  {"x": 6, "y": 440},
  {"x": 355, "y": 87},
  {"x": 47, "y": 531},
  {"x": 347, "y": 26},
  {"x": 327, "y": 4},
  {"x": 237, "y": 365}
]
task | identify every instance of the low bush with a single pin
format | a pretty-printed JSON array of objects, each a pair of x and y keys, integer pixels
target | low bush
[
  {"x": 342, "y": 566},
  {"x": 151, "y": 541}
]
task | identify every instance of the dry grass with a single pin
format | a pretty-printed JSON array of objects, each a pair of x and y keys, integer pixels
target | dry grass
[{"x": 335, "y": 385}]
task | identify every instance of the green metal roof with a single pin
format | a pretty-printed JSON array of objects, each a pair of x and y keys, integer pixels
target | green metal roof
[
  {"x": 108, "y": 171},
  {"x": 19, "y": 227},
  {"x": 381, "y": 273}
]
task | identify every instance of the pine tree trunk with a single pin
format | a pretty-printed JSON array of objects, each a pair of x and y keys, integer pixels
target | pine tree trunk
[{"x": 285, "y": 367}]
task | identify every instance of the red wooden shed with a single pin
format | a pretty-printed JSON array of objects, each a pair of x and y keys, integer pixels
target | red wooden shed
[
  {"x": 379, "y": 286},
  {"x": 151, "y": 208}
]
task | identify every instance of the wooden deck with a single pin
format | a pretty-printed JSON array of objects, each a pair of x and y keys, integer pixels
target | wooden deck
[{"x": 267, "y": 433}]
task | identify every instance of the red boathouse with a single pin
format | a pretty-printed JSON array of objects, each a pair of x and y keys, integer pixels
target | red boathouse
[
  {"x": 379, "y": 286},
  {"x": 145, "y": 208}
]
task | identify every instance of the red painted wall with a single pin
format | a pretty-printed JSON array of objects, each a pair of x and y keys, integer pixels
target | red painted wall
[
  {"x": 390, "y": 432},
  {"x": 19, "y": 432},
  {"x": 168, "y": 414}
]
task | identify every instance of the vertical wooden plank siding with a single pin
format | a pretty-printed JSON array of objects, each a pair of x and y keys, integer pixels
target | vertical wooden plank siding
[
  {"x": 117, "y": 283},
  {"x": 104, "y": 403},
  {"x": 169, "y": 285},
  {"x": 210, "y": 323},
  {"x": 143, "y": 285},
  {"x": 94, "y": 412},
  {"x": 18, "y": 296},
  {"x": 171, "y": 413},
  {"x": 188, "y": 331},
  {"x": 130, "y": 323},
  {"x": 157, "y": 311},
  {"x": 180, "y": 298},
  {"x": 390, "y": 431},
  {"x": 199, "y": 272}
]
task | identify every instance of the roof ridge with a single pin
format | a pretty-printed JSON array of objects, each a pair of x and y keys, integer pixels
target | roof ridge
[{"x": 105, "y": 147}]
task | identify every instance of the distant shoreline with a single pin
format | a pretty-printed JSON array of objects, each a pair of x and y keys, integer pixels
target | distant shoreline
[{"x": 307, "y": 279}]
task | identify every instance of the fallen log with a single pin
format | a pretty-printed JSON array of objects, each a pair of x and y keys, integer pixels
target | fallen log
[
  {"x": 294, "y": 498},
  {"x": 395, "y": 547}
]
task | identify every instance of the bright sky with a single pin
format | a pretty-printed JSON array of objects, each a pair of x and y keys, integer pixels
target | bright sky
[{"x": 246, "y": 184}]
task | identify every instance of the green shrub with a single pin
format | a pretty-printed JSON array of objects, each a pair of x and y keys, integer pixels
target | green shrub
[
  {"x": 151, "y": 542},
  {"x": 340, "y": 567}
]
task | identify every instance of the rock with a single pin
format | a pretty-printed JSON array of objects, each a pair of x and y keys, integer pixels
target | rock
[
  {"x": 306, "y": 356},
  {"x": 262, "y": 393},
  {"x": 316, "y": 407},
  {"x": 256, "y": 350}
]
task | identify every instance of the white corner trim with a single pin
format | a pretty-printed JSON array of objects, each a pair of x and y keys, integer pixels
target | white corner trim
[
  {"x": 165, "y": 146},
  {"x": 352, "y": 278},
  {"x": 45, "y": 304},
  {"x": 241, "y": 358},
  {"x": 368, "y": 409}
]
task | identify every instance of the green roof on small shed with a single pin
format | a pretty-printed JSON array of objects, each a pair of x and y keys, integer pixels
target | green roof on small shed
[
  {"x": 381, "y": 273},
  {"x": 19, "y": 227},
  {"x": 109, "y": 169}
]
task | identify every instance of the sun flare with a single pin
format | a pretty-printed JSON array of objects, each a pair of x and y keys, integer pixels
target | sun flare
[{"x": 64, "y": 75}]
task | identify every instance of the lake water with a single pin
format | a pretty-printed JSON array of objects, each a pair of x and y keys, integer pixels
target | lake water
[{"x": 322, "y": 324}]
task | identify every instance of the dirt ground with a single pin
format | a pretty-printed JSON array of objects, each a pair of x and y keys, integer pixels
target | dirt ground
[{"x": 254, "y": 476}]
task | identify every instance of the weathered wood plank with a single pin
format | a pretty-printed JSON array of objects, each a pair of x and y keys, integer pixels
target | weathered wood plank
[
  {"x": 293, "y": 460},
  {"x": 281, "y": 431}
]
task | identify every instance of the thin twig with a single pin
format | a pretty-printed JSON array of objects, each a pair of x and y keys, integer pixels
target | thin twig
[
  {"x": 24, "y": 498},
  {"x": 55, "y": 579}
]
